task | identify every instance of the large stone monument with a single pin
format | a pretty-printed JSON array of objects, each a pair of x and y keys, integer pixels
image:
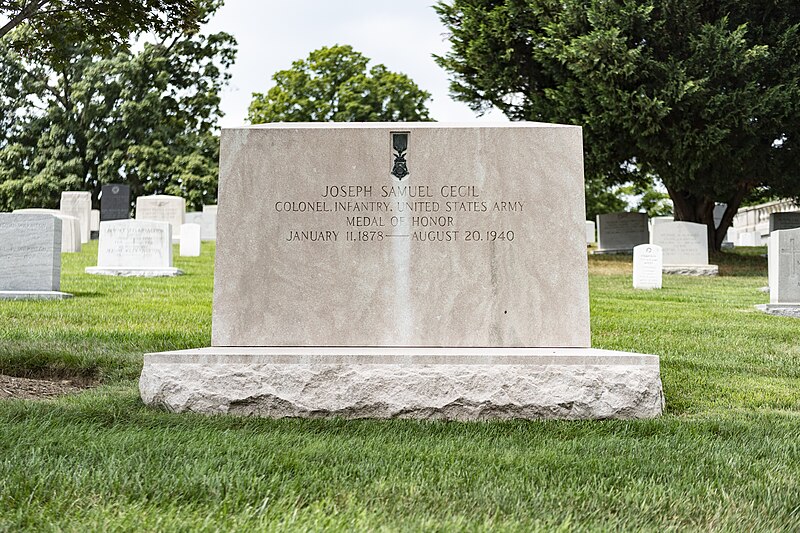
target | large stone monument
[
  {"x": 620, "y": 232},
  {"x": 402, "y": 270},
  {"x": 165, "y": 208},
  {"x": 115, "y": 202},
  {"x": 134, "y": 248},
  {"x": 78, "y": 204},
  {"x": 30, "y": 257},
  {"x": 685, "y": 248},
  {"x": 784, "y": 273}
]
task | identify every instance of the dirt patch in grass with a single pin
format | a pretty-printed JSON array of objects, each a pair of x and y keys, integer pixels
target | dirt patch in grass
[{"x": 36, "y": 389}]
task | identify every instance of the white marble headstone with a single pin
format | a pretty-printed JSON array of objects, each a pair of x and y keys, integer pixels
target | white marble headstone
[
  {"x": 647, "y": 266},
  {"x": 134, "y": 248},
  {"x": 784, "y": 266},
  {"x": 162, "y": 207},
  {"x": 30, "y": 252},
  {"x": 78, "y": 204},
  {"x": 590, "y": 234},
  {"x": 95, "y": 223},
  {"x": 683, "y": 243},
  {"x": 748, "y": 238},
  {"x": 190, "y": 240},
  {"x": 70, "y": 228},
  {"x": 208, "y": 231}
]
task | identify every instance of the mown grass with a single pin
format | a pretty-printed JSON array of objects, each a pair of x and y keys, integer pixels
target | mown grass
[{"x": 726, "y": 455}]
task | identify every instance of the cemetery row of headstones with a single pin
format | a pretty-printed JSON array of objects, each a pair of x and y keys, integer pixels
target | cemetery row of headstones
[
  {"x": 683, "y": 245},
  {"x": 126, "y": 247}
]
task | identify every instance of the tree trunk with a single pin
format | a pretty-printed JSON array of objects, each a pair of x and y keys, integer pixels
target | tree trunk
[
  {"x": 25, "y": 13},
  {"x": 700, "y": 209}
]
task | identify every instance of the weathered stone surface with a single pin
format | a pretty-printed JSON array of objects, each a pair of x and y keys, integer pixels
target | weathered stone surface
[
  {"x": 784, "y": 266},
  {"x": 683, "y": 243},
  {"x": 134, "y": 248},
  {"x": 620, "y": 232},
  {"x": 647, "y": 266},
  {"x": 34, "y": 295},
  {"x": 162, "y": 207},
  {"x": 782, "y": 221},
  {"x": 30, "y": 252},
  {"x": 298, "y": 265},
  {"x": 78, "y": 204},
  {"x": 448, "y": 384},
  {"x": 70, "y": 228},
  {"x": 788, "y": 310},
  {"x": 692, "y": 270}
]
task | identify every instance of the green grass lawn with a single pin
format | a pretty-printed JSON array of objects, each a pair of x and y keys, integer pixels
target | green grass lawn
[{"x": 725, "y": 456}]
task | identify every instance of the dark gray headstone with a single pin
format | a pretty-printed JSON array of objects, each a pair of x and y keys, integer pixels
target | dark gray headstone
[
  {"x": 781, "y": 221},
  {"x": 115, "y": 202},
  {"x": 30, "y": 252}
]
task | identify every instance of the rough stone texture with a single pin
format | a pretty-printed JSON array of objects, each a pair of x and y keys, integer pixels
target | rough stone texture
[
  {"x": 683, "y": 243},
  {"x": 647, "y": 266},
  {"x": 274, "y": 287},
  {"x": 134, "y": 248},
  {"x": 115, "y": 202},
  {"x": 620, "y": 232},
  {"x": 135, "y": 272},
  {"x": 164, "y": 208},
  {"x": 78, "y": 204},
  {"x": 34, "y": 295},
  {"x": 30, "y": 252},
  {"x": 190, "y": 240},
  {"x": 784, "y": 266},
  {"x": 405, "y": 383},
  {"x": 792, "y": 311},
  {"x": 70, "y": 228},
  {"x": 692, "y": 270}
]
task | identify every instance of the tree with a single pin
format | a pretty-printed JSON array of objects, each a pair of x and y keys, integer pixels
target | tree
[
  {"x": 148, "y": 119},
  {"x": 99, "y": 19},
  {"x": 700, "y": 95},
  {"x": 333, "y": 84}
]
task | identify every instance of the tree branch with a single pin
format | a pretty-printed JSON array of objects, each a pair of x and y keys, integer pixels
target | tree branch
[{"x": 24, "y": 14}]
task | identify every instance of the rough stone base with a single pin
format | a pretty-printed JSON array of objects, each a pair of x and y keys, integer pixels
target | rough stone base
[
  {"x": 691, "y": 270},
  {"x": 790, "y": 310},
  {"x": 135, "y": 272},
  {"x": 620, "y": 251},
  {"x": 34, "y": 295},
  {"x": 420, "y": 383}
]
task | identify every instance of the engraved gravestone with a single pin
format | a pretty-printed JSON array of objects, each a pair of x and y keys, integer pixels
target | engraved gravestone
[
  {"x": 70, "y": 228},
  {"x": 30, "y": 256},
  {"x": 94, "y": 226},
  {"x": 787, "y": 220},
  {"x": 620, "y": 232},
  {"x": 115, "y": 202},
  {"x": 685, "y": 248},
  {"x": 647, "y": 266},
  {"x": 784, "y": 266},
  {"x": 402, "y": 270},
  {"x": 78, "y": 204},
  {"x": 162, "y": 207},
  {"x": 134, "y": 248}
]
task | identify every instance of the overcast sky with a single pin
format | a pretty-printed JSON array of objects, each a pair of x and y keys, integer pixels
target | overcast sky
[{"x": 272, "y": 33}]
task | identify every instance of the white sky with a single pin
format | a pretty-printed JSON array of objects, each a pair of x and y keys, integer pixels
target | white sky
[{"x": 272, "y": 33}]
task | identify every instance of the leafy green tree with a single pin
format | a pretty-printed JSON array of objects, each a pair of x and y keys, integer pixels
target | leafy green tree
[
  {"x": 148, "y": 119},
  {"x": 333, "y": 84},
  {"x": 104, "y": 19},
  {"x": 701, "y": 95},
  {"x": 602, "y": 199}
]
